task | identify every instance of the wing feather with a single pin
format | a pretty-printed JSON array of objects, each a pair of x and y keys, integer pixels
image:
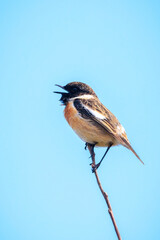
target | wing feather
[{"x": 98, "y": 114}]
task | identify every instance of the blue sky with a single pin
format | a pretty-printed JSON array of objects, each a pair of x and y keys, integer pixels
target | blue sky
[{"x": 47, "y": 188}]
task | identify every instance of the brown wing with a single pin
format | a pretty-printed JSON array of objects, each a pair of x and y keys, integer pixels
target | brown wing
[{"x": 89, "y": 108}]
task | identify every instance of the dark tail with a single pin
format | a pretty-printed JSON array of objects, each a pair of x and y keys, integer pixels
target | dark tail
[{"x": 127, "y": 144}]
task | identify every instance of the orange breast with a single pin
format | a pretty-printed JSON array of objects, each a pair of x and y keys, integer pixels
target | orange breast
[
  {"x": 70, "y": 114},
  {"x": 85, "y": 129}
]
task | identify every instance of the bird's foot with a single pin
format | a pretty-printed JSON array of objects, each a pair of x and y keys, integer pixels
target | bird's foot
[
  {"x": 86, "y": 145},
  {"x": 94, "y": 167}
]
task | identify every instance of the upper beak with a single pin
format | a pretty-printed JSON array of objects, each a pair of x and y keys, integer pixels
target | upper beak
[{"x": 60, "y": 87}]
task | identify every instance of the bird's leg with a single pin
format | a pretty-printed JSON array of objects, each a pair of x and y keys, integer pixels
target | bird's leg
[
  {"x": 91, "y": 150},
  {"x": 91, "y": 146},
  {"x": 98, "y": 164}
]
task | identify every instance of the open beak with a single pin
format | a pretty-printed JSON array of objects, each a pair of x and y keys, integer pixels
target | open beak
[
  {"x": 60, "y": 87},
  {"x": 64, "y": 96}
]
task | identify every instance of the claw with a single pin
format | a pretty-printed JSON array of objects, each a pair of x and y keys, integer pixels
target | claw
[
  {"x": 85, "y": 146},
  {"x": 94, "y": 168}
]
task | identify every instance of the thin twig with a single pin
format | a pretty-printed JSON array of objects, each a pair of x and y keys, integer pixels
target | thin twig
[{"x": 91, "y": 150}]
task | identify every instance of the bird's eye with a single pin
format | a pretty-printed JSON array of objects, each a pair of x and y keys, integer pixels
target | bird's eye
[{"x": 74, "y": 90}]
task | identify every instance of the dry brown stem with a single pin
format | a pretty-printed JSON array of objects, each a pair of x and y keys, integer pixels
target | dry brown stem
[{"x": 91, "y": 150}]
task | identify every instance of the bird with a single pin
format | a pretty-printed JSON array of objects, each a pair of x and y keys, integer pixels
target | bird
[{"x": 91, "y": 120}]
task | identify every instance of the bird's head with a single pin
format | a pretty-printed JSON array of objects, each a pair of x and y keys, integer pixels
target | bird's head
[{"x": 75, "y": 89}]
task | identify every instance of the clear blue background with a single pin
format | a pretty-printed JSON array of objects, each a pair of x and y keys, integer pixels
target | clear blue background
[{"x": 47, "y": 190}]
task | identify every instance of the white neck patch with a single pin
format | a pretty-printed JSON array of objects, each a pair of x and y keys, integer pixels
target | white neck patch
[{"x": 86, "y": 96}]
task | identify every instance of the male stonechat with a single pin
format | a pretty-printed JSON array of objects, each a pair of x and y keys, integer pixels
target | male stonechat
[{"x": 91, "y": 120}]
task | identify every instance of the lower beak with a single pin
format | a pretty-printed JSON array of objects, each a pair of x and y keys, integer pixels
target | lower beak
[{"x": 58, "y": 92}]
